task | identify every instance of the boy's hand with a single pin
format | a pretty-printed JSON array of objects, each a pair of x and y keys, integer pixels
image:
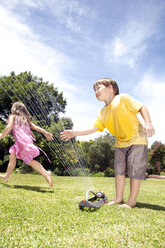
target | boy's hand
[
  {"x": 49, "y": 136},
  {"x": 149, "y": 129},
  {"x": 67, "y": 134}
]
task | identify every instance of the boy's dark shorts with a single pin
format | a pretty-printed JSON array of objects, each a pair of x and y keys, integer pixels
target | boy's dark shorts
[{"x": 131, "y": 160}]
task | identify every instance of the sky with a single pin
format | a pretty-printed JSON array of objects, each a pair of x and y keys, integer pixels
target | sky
[{"x": 72, "y": 43}]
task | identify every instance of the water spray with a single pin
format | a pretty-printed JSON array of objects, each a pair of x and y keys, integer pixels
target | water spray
[{"x": 95, "y": 202}]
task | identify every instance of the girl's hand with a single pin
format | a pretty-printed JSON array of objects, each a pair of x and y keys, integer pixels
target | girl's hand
[
  {"x": 49, "y": 136},
  {"x": 67, "y": 134},
  {"x": 0, "y": 135},
  {"x": 149, "y": 129}
]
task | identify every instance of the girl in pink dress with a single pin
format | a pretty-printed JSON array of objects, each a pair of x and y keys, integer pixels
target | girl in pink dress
[{"x": 20, "y": 123}]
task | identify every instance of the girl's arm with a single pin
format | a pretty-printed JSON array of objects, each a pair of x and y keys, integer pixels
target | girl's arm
[
  {"x": 8, "y": 127},
  {"x": 149, "y": 129},
  {"x": 48, "y": 135},
  {"x": 68, "y": 134}
]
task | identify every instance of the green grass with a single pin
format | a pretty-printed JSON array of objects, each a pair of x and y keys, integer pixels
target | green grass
[{"x": 32, "y": 215}]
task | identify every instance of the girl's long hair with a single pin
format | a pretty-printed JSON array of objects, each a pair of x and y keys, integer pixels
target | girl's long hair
[{"x": 21, "y": 114}]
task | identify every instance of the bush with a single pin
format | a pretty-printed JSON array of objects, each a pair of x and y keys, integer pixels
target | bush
[
  {"x": 99, "y": 174},
  {"x": 23, "y": 168},
  {"x": 150, "y": 168},
  {"x": 109, "y": 172},
  {"x": 80, "y": 172},
  {"x": 57, "y": 171},
  {"x": 26, "y": 169}
]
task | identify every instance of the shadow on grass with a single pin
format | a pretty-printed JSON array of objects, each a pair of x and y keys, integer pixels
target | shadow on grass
[
  {"x": 150, "y": 206},
  {"x": 27, "y": 187},
  {"x": 88, "y": 209}
]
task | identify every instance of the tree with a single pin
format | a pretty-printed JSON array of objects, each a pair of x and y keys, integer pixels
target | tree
[
  {"x": 41, "y": 98},
  {"x": 101, "y": 153},
  {"x": 157, "y": 158},
  {"x": 5, "y": 144}
]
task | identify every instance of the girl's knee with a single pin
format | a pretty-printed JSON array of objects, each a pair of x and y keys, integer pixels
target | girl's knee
[
  {"x": 31, "y": 162},
  {"x": 13, "y": 155}
]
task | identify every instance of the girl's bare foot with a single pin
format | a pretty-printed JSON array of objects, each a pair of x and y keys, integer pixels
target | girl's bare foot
[
  {"x": 4, "y": 178},
  {"x": 116, "y": 201},
  {"x": 49, "y": 179}
]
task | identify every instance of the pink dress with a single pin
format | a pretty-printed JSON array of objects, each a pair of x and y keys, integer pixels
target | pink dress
[{"x": 23, "y": 147}]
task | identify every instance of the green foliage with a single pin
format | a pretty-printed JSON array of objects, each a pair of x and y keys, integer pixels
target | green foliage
[
  {"x": 23, "y": 168},
  {"x": 100, "y": 153},
  {"x": 57, "y": 171},
  {"x": 98, "y": 174},
  {"x": 38, "y": 96},
  {"x": 79, "y": 172},
  {"x": 109, "y": 172},
  {"x": 156, "y": 157},
  {"x": 158, "y": 153},
  {"x": 5, "y": 144},
  {"x": 85, "y": 145}
]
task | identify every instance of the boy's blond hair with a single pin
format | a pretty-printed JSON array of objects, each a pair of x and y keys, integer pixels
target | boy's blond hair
[{"x": 106, "y": 82}]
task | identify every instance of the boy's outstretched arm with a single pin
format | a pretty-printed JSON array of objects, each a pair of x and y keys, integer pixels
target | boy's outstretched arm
[
  {"x": 68, "y": 134},
  {"x": 149, "y": 129},
  {"x": 8, "y": 127},
  {"x": 48, "y": 135}
]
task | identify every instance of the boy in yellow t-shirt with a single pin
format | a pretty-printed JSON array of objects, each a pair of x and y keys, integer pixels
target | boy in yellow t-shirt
[{"x": 119, "y": 116}]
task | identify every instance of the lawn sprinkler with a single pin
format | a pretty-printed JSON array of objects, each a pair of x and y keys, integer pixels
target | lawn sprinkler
[{"x": 95, "y": 202}]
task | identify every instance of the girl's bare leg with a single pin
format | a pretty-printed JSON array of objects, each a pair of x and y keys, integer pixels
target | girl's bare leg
[
  {"x": 10, "y": 167},
  {"x": 39, "y": 168},
  {"x": 120, "y": 184},
  {"x": 134, "y": 190}
]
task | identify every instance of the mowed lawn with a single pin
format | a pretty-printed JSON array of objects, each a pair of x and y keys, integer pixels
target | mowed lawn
[{"x": 32, "y": 215}]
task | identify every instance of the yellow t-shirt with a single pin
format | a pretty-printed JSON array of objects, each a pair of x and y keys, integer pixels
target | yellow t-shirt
[{"x": 120, "y": 118}]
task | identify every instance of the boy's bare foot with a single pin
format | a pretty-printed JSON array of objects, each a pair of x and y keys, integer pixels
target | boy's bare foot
[
  {"x": 114, "y": 202},
  {"x": 4, "y": 178},
  {"x": 49, "y": 179},
  {"x": 128, "y": 205}
]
